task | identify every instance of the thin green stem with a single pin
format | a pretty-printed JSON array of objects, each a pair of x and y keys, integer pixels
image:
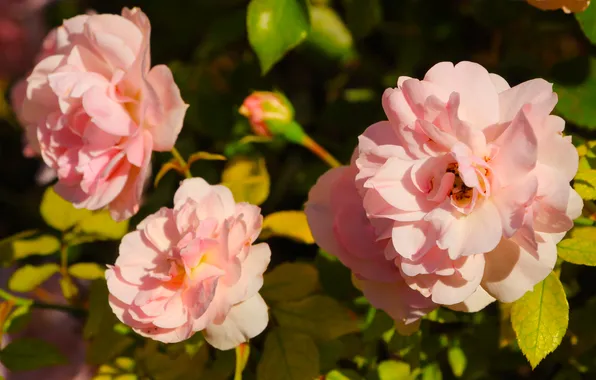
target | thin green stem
[{"x": 182, "y": 162}]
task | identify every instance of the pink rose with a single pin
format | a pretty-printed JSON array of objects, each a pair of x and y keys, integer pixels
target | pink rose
[
  {"x": 193, "y": 268},
  {"x": 463, "y": 193},
  {"x": 97, "y": 110}
]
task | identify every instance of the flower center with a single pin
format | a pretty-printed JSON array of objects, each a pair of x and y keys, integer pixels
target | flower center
[{"x": 460, "y": 193}]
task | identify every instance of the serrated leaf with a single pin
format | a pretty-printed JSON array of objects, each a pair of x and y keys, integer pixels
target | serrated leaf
[
  {"x": 319, "y": 316},
  {"x": 275, "y": 27},
  {"x": 39, "y": 245},
  {"x": 288, "y": 355},
  {"x": 393, "y": 370},
  {"x": 101, "y": 226},
  {"x": 86, "y": 271},
  {"x": 540, "y": 319},
  {"x": 59, "y": 213},
  {"x": 290, "y": 282},
  {"x": 585, "y": 184},
  {"x": 28, "y": 354},
  {"x": 289, "y": 224},
  {"x": 457, "y": 360},
  {"x": 248, "y": 179},
  {"x": 29, "y": 277},
  {"x": 578, "y": 251}
]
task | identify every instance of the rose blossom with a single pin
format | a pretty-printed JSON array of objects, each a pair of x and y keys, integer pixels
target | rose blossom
[
  {"x": 97, "y": 110},
  {"x": 193, "y": 268},
  {"x": 462, "y": 195}
]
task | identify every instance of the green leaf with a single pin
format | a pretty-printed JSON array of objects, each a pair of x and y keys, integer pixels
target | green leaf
[
  {"x": 59, "y": 213},
  {"x": 288, "y": 355},
  {"x": 289, "y": 224},
  {"x": 29, "y": 277},
  {"x": 319, "y": 316},
  {"x": 290, "y": 282},
  {"x": 578, "y": 251},
  {"x": 86, "y": 271},
  {"x": 585, "y": 184},
  {"x": 18, "y": 319},
  {"x": 457, "y": 360},
  {"x": 248, "y": 179},
  {"x": 363, "y": 16},
  {"x": 540, "y": 319},
  {"x": 275, "y": 27},
  {"x": 100, "y": 225},
  {"x": 329, "y": 35},
  {"x": 587, "y": 21},
  {"x": 39, "y": 245},
  {"x": 394, "y": 370},
  {"x": 575, "y": 101},
  {"x": 99, "y": 308},
  {"x": 432, "y": 372},
  {"x": 28, "y": 353},
  {"x": 343, "y": 374},
  {"x": 7, "y": 247}
]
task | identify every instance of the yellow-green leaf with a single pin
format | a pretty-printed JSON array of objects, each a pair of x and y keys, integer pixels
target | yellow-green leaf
[
  {"x": 319, "y": 316},
  {"x": 457, "y": 360},
  {"x": 86, "y": 271},
  {"x": 584, "y": 233},
  {"x": 29, "y": 277},
  {"x": 290, "y": 282},
  {"x": 101, "y": 225},
  {"x": 39, "y": 245},
  {"x": 540, "y": 319},
  {"x": 289, "y": 224},
  {"x": 6, "y": 246},
  {"x": 585, "y": 184},
  {"x": 69, "y": 288},
  {"x": 205, "y": 156},
  {"x": 28, "y": 353},
  {"x": 59, "y": 213},
  {"x": 578, "y": 251},
  {"x": 248, "y": 179},
  {"x": 394, "y": 370},
  {"x": 288, "y": 355},
  {"x": 165, "y": 168}
]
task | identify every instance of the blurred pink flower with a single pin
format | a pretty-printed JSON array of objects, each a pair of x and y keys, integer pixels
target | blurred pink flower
[
  {"x": 55, "y": 327},
  {"x": 464, "y": 192},
  {"x": 95, "y": 110},
  {"x": 193, "y": 268},
  {"x": 21, "y": 31}
]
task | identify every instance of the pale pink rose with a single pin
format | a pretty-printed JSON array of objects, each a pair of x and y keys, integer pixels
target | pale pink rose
[
  {"x": 96, "y": 111},
  {"x": 193, "y": 268},
  {"x": 466, "y": 187}
]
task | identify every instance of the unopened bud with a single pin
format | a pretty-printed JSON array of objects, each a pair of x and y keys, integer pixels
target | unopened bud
[{"x": 268, "y": 112}]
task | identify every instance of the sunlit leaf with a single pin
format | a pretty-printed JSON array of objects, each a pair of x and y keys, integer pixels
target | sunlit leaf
[
  {"x": 29, "y": 277},
  {"x": 578, "y": 251},
  {"x": 101, "y": 226},
  {"x": 288, "y": 355},
  {"x": 275, "y": 27},
  {"x": 59, "y": 213},
  {"x": 432, "y": 372},
  {"x": 457, "y": 360},
  {"x": 343, "y": 374},
  {"x": 205, "y": 156},
  {"x": 86, "y": 271},
  {"x": 248, "y": 179},
  {"x": 290, "y": 282},
  {"x": 165, "y": 168},
  {"x": 7, "y": 247},
  {"x": 394, "y": 370},
  {"x": 319, "y": 316},
  {"x": 28, "y": 353},
  {"x": 289, "y": 224},
  {"x": 585, "y": 184},
  {"x": 39, "y": 245},
  {"x": 329, "y": 35},
  {"x": 540, "y": 319},
  {"x": 68, "y": 287}
]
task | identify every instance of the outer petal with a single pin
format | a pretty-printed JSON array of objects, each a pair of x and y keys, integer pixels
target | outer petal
[
  {"x": 476, "y": 302},
  {"x": 244, "y": 321},
  {"x": 511, "y": 271},
  {"x": 171, "y": 109}
]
